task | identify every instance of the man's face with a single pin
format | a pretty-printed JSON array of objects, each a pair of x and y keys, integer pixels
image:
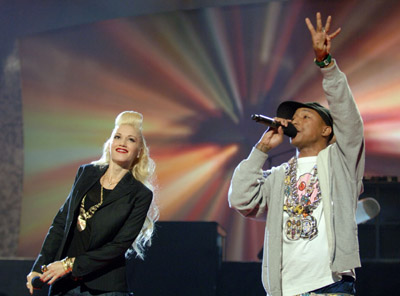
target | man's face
[{"x": 310, "y": 128}]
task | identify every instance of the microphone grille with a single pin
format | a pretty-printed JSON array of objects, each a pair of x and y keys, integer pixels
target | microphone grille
[{"x": 37, "y": 283}]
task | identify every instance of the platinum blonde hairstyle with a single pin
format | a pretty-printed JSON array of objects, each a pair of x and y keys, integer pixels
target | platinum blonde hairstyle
[{"x": 142, "y": 169}]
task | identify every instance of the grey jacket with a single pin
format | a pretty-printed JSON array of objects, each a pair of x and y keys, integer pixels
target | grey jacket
[{"x": 256, "y": 193}]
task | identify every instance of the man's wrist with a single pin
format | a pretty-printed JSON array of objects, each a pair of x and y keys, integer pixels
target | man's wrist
[
  {"x": 325, "y": 62},
  {"x": 263, "y": 147}
]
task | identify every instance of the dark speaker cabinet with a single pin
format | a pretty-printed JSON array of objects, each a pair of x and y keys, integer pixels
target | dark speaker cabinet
[{"x": 184, "y": 259}]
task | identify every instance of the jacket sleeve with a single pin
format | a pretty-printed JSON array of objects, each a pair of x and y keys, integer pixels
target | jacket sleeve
[
  {"x": 246, "y": 193},
  {"x": 55, "y": 234},
  {"x": 101, "y": 257},
  {"x": 347, "y": 121}
]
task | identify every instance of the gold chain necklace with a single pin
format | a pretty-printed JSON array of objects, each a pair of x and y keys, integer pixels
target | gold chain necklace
[
  {"x": 84, "y": 215},
  {"x": 301, "y": 223},
  {"x": 109, "y": 181}
]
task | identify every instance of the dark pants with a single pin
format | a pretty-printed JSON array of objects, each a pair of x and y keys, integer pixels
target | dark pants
[
  {"x": 346, "y": 285},
  {"x": 83, "y": 291},
  {"x": 66, "y": 286}
]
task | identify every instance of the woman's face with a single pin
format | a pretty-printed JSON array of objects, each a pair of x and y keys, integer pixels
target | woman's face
[{"x": 125, "y": 146}]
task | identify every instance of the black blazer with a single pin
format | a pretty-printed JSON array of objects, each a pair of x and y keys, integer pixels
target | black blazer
[{"x": 115, "y": 226}]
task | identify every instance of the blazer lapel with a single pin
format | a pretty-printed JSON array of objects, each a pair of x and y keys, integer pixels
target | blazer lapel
[
  {"x": 127, "y": 184},
  {"x": 89, "y": 178}
]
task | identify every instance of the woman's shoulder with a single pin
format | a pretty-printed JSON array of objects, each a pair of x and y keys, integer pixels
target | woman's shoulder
[
  {"x": 90, "y": 169},
  {"x": 140, "y": 185}
]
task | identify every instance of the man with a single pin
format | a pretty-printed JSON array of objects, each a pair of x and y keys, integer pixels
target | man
[{"x": 311, "y": 244}]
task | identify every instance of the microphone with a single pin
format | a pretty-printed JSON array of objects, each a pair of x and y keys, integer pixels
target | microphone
[
  {"x": 37, "y": 283},
  {"x": 289, "y": 131}
]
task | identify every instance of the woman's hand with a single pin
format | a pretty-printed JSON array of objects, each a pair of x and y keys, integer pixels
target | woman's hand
[
  {"x": 54, "y": 271},
  {"x": 29, "y": 278}
]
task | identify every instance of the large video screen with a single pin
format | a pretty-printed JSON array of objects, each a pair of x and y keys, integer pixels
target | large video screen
[{"x": 196, "y": 76}]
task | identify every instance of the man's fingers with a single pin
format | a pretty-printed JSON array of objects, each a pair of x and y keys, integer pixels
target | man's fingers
[
  {"x": 310, "y": 26},
  {"x": 319, "y": 22},
  {"x": 328, "y": 44},
  {"x": 334, "y": 34},
  {"x": 328, "y": 24},
  {"x": 282, "y": 121}
]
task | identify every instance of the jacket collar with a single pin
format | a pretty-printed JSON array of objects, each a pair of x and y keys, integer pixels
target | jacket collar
[
  {"x": 93, "y": 174},
  {"x": 125, "y": 186},
  {"x": 90, "y": 176}
]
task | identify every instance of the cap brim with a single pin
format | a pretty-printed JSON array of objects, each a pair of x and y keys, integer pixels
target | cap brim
[{"x": 288, "y": 108}]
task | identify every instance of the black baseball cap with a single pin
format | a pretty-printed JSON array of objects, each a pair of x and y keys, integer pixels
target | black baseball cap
[{"x": 288, "y": 108}]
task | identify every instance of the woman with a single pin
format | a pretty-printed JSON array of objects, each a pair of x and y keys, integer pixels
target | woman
[{"x": 107, "y": 216}]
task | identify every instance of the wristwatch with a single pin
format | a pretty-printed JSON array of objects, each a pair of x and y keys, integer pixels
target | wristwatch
[{"x": 325, "y": 62}]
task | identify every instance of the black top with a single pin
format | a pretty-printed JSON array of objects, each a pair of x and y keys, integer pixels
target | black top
[{"x": 79, "y": 241}]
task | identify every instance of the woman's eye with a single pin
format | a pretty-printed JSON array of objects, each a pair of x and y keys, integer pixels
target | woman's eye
[
  {"x": 132, "y": 140},
  {"x": 116, "y": 137}
]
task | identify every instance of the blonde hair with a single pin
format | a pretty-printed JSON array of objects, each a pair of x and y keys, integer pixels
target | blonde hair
[{"x": 142, "y": 170}]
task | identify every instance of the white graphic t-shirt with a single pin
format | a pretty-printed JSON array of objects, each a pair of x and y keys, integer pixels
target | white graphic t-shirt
[{"x": 305, "y": 262}]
